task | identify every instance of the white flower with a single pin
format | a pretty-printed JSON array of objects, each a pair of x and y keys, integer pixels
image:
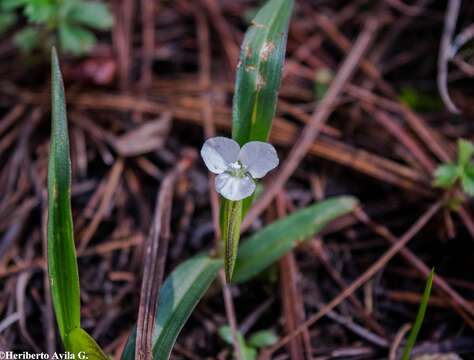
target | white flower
[{"x": 237, "y": 168}]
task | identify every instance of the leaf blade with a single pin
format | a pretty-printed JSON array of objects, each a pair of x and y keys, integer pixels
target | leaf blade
[
  {"x": 62, "y": 262},
  {"x": 269, "y": 244},
  {"x": 259, "y": 72}
]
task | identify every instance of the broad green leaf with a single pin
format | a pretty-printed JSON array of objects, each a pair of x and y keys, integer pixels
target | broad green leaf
[
  {"x": 62, "y": 263},
  {"x": 262, "y": 338},
  {"x": 27, "y": 39},
  {"x": 75, "y": 39},
  {"x": 465, "y": 152},
  {"x": 419, "y": 318},
  {"x": 446, "y": 175},
  {"x": 93, "y": 14},
  {"x": 259, "y": 72},
  {"x": 83, "y": 346},
  {"x": 230, "y": 228},
  {"x": 179, "y": 295},
  {"x": 272, "y": 242}
]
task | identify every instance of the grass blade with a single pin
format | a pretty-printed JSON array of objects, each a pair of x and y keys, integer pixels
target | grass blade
[
  {"x": 259, "y": 72},
  {"x": 272, "y": 242},
  {"x": 62, "y": 263},
  {"x": 419, "y": 318},
  {"x": 179, "y": 295}
]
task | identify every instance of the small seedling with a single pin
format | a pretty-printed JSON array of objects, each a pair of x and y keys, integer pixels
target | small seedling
[
  {"x": 67, "y": 23},
  {"x": 447, "y": 176},
  {"x": 249, "y": 348}
]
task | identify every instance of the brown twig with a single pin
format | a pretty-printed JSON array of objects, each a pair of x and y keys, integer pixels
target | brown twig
[
  {"x": 154, "y": 261},
  {"x": 450, "y": 20}
]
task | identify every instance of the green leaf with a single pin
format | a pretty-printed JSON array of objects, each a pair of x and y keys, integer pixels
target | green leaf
[
  {"x": 419, "y": 318},
  {"x": 40, "y": 11},
  {"x": 225, "y": 333},
  {"x": 27, "y": 39},
  {"x": 248, "y": 352},
  {"x": 179, "y": 295},
  {"x": 230, "y": 227},
  {"x": 7, "y": 20},
  {"x": 446, "y": 175},
  {"x": 465, "y": 152},
  {"x": 259, "y": 72},
  {"x": 272, "y": 242},
  {"x": 62, "y": 262},
  {"x": 262, "y": 338},
  {"x": 467, "y": 183},
  {"x": 75, "y": 39},
  {"x": 93, "y": 14},
  {"x": 83, "y": 346}
]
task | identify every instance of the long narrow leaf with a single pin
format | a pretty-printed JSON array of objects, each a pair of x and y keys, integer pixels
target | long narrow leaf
[
  {"x": 269, "y": 244},
  {"x": 62, "y": 263},
  {"x": 419, "y": 318},
  {"x": 259, "y": 72},
  {"x": 179, "y": 295}
]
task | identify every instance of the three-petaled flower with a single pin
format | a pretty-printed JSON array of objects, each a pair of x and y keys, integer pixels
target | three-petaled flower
[{"x": 237, "y": 168}]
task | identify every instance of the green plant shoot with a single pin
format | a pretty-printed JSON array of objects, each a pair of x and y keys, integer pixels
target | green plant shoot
[
  {"x": 67, "y": 23},
  {"x": 448, "y": 175},
  {"x": 419, "y": 318}
]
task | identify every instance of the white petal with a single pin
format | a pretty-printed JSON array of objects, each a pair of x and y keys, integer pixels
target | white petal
[
  {"x": 259, "y": 158},
  {"x": 234, "y": 188},
  {"x": 218, "y": 152}
]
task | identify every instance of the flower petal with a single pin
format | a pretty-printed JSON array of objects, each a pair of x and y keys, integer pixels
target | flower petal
[
  {"x": 218, "y": 152},
  {"x": 259, "y": 158},
  {"x": 234, "y": 188}
]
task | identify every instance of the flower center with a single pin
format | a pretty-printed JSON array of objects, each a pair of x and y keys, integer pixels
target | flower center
[{"x": 237, "y": 169}]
